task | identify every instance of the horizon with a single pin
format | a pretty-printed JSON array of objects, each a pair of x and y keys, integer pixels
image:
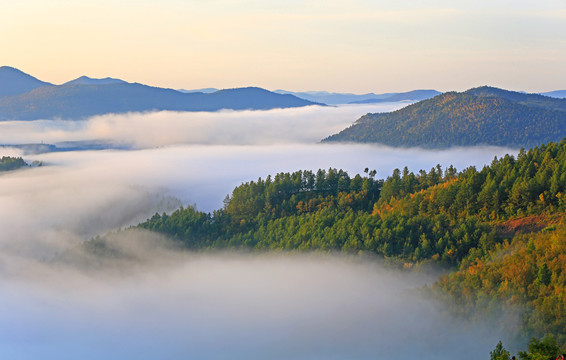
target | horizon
[
  {"x": 298, "y": 46},
  {"x": 272, "y": 90}
]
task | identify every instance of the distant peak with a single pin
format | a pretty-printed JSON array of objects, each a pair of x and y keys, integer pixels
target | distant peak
[
  {"x": 85, "y": 80},
  {"x": 247, "y": 88},
  {"x": 12, "y": 70},
  {"x": 15, "y": 82},
  {"x": 9, "y": 68}
]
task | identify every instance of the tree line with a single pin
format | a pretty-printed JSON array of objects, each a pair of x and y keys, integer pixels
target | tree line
[{"x": 499, "y": 229}]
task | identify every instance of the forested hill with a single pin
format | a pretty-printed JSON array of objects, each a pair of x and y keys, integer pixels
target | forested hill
[
  {"x": 481, "y": 116},
  {"x": 8, "y": 163},
  {"x": 537, "y": 100},
  {"x": 501, "y": 227}
]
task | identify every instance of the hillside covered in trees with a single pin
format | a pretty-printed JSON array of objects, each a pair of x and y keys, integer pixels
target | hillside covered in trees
[
  {"x": 480, "y": 116},
  {"x": 500, "y": 230},
  {"x": 8, "y": 163}
]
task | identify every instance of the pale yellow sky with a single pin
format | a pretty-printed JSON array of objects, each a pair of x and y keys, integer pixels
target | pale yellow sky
[{"x": 354, "y": 46}]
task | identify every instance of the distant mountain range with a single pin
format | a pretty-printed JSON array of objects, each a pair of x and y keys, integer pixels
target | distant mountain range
[
  {"x": 16, "y": 82},
  {"x": 415, "y": 95},
  {"x": 23, "y": 97},
  {"x": 85, "y": 80},
  {"x": 483, "y": 115},
  {"x": 203, "y": 90},
  {"x": 561, "y": 94},
  {"x": 347, "y": 98},
  {"x": 332, "y": 98}
]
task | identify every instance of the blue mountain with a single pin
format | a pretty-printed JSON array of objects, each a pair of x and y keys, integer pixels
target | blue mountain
[
  {"x": 415, "y": 95},
  {"x": 27, "y": 98},
  {"x": 85, "y": 80},
  {"x": 16, "y": 82},
  {"x": 560, "y": 94},
  {"x": 332, "y": 98},
  {"x": 81, "y": 101}
]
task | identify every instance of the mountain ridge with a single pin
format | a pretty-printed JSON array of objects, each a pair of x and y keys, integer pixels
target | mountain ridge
[
  {"x": 537, "y": 100},
  {"x": 84, "y": 97},
  {"x": 479, "y": 116},
  {"x": 15, "y": 82},
  {"x": 85, "y": 80},
  {"x": 333, "y": 98},
  {"x": 560, "y": 94},
  {"x": 414, "y": 95}
]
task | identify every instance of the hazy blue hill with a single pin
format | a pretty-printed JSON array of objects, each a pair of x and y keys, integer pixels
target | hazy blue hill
[
  {"x": 331, "y": 98},
  {"x": 85, "y": 80},
  {"x": 538, "y": 100},
  {"x": 80, "y": 101},
  {"x": 347, "y": 98},
  {"x": 28, "y": 149},
  {"x": 463, "y": 119},
  {"x": 15, "y": 82},
  {"x": 254, "y": 97},
  {"x": 560, "y": 94},
  {"x": 415, "y": 95}
]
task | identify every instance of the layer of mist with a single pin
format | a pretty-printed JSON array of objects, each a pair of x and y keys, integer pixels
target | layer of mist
[
  {"x": 135, "y": 130},
  {"x": 227, "y": 306},
  {"x": 168, "y": 304}
]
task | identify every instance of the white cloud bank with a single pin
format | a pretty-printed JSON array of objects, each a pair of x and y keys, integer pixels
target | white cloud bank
[
  {"x": 205, "y": 307},
  {"x": 279, "y": 126},
  {"x": 230, "y": 307}
]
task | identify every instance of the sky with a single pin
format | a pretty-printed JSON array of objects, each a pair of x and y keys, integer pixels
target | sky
[{"x": 299, "y": 45}]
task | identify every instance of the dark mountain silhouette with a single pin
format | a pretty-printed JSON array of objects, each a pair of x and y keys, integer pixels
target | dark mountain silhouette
[
  {"x": 478, "y": 116},
  {"x": 16, "y": 82},
  {"x": 415, "y": 95},
  {"x": 84, "y": 97}
]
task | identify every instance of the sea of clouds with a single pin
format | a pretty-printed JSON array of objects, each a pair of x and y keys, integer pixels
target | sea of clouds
[{"x": 228, "y": 306}]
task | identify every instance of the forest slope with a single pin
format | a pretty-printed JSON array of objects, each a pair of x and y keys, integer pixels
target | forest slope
[
  {"x": 501, "y": 228},
  {"x": 481, "y": 116},
  {"x": 8, "y": 163}
]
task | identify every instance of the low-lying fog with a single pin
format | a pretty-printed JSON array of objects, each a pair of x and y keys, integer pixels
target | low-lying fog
[
  {"x": 237, "y": 307},
  {"x": 231, "y": 306},
  {"x": 279, "y": 126}
]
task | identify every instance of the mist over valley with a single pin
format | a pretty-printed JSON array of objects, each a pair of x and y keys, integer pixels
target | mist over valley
[
  {"x": 204, "y": 306},
  {"x": 283, "y": 180}
]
